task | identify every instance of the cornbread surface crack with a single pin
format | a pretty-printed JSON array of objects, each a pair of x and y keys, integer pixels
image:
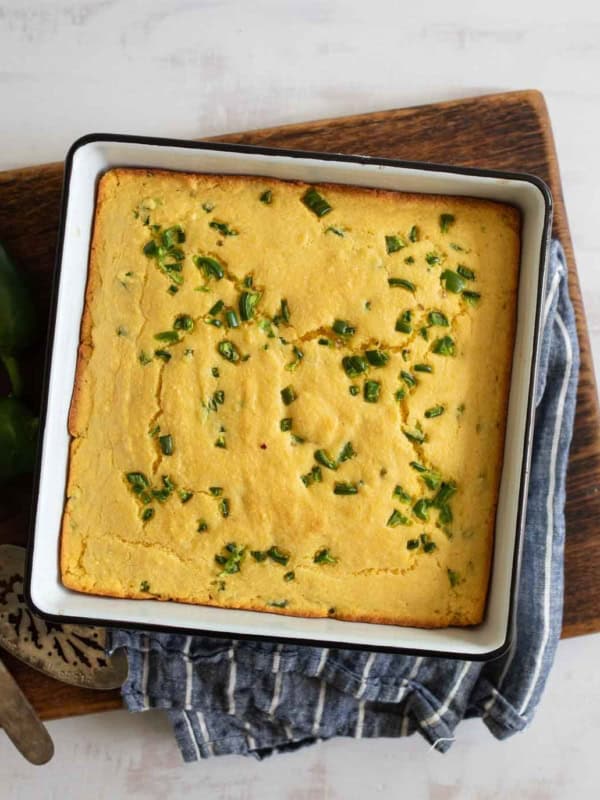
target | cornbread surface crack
[{"x": 291, "y": 398}]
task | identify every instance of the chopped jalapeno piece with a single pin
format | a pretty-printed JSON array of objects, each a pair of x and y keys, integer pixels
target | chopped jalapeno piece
[
  {"x": 314, "y": 476},
  {"x": 185, "y": 495},
  {"x": 377, "y": 358},
  {"x": 401, "y": 495},
  {"x": 323, "y": 457},
  {"x": 432, "y": 259},
  {"x": 421, "y": 509},
  {"x": 423, "y": 368},
  {"x": 408, "y": 379},
  {"x": 247, "y": 304},
  {"x": 472, "y": 298},
  {"x": 266, "y": 197},
  {"x": 394, "y": 243},
  {"x": 217, "y": 308},
  {"x": 323, "y": 341},
  {"x": 138, "y": 481},
  {"x": 402, "y": 283},
  {"x": 413, "y": 234},
  {"x": 434, "y": 411},
  {"x": 170, "y": 337},
  {"x": 465, "y": 272},
  {"x": 437, "y": 318},
  {"x": 324, "y": 557},
  {"x": 354, "y": 366},
  {"x": 336, "y": 231},
  {"x": 285, "y": 424},
  {"x": 202, "y": 526},
  {"x": 452, "y": 281},
  {"x": 289, "y": 576},
  {"x": 276, "y": 555},
  {"x": 397, "y": 518},
  {"x": 316, "y": 202},
  {"x": 345, "y": 488},
  {"x": 354, "y": 390},
  {"x": 453, "y": 577},
  {"x": 429, "y": 547},
  {"x": 216, "y": 491},
  {"x": 447, "y": 489},
  {"x": 446, "y": 220},
  {"x": 444, "y": 346},
  {"x": 166, "y": 444},
  {"x": 415, "y": 435},
  {"x": 210, "y": 267},
  {"x": 278, "y": 603},
  {"x": 346, "y": 453},
  {"x": 144, "y": 358},
  {"x": 223, "y": 228},
  {"x": 412, "y": 544},
  {"x": 215, "y": 372},
  {"x": 224, "y": 507},
  {"x": 259, "y": 555},
  {"x": 232, "y": 318},
  {"x": 229, "y": 351},
  {"x": 343, "y": 327},
  {"x": 288, "y": 395},
  {"x": 400, "y": 394},
  {"x": 183, "y": 322},
  {"x": 371, "y": 390},
  {"x": 144, "y": 586},
  {"x": 403, "y": 323}
]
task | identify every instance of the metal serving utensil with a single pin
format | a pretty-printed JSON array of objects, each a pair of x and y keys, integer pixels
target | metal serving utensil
[{"x": 73, "y": 654}]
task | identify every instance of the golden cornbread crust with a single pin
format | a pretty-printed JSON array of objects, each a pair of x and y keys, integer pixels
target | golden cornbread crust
[{"x": 190, "y": 477}]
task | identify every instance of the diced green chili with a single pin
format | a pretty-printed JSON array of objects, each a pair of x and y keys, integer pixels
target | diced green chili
[
  {"x": 437, "y": 318},
  {"x": 377, "y": 358},
  {"x": 288, "y": 395},
  {"x": 421, "y": 509},
  {"x": 446, "y": 220},
  {"x": 345, "y": 488},
  {"x": 278, "y": 556},
  {"x": 323, "y": 457},
  {"x": 223, "y": 228},
  {"x": 210, "y": 266},
  {"x": 423, "y": 368},
  {"x": 170, "y": 337},
  {"x": 413, "y": 234},
  {"x": 166, "y": 444},
  {"x": 415, "y": 435},
  {"x": 465, "y": 272},
  {"x": 402, "y": 283},
  {"x": 371, "y": 391},
  {"x": 247, "y": 304},
  {"x": 323, "y": 556},
  {"x": 401, "y": 495},
  {"x": 266, "y": 197},
  {"x": 432, "y": 259},
  {"x": 397, "y": 518},
  {"x": 452, "y": 281},
  {"x": 229, "y": 351},
  {"x": 343, "y": 328},
  {"x": 444, "y": 346},
  {"x": 412, "y": 544},
  {"x": 354, "y": 366},
  {"x": 453, "y": 577},
  {"x": 393, "y": 244},
  {"x": 408, "y": 379},
  {"x": 316, "y": 202},
  {"x": 232, "y": 318},
  {"x": 346, "y": 453},
  {"x": 434, "y": 411},
  {"x": 314, "y": 476},
  {"x": 472, "y": 298},
  {"x": 285, "y": 424},
  {"x": 403, "y": 323}
]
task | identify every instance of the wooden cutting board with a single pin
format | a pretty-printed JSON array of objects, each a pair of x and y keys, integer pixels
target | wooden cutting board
[{"x": 502, "y": 131}]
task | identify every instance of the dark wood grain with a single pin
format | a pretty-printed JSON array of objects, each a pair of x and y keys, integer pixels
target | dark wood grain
[{"x": 506, "y": 131}]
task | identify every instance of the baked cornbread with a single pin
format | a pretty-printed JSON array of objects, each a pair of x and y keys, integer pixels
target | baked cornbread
[{"x": 291, "y": 398}]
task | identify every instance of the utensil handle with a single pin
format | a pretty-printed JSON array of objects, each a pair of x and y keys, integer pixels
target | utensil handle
[{"x": 22, "y": 725}]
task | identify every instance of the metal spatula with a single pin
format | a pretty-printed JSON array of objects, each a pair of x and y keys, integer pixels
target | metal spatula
[
  {"x": 73, "y": 654},
  {"x": 21, "y": 723}
]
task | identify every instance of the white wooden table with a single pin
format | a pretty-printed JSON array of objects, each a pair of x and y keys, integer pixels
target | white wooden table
[{"x": 188, "y": 68}]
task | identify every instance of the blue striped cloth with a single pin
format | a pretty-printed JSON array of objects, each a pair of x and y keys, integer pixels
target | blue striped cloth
[{"x": 253, "y": 698}]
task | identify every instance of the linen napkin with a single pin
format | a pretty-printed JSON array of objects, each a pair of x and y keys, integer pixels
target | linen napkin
[{"x": 254, "y": 698}]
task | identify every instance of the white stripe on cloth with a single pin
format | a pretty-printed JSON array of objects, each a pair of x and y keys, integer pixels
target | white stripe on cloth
[
  {"x": 204, "y": 732},
  {"x": 232, "y": 679},
  {"x": 145, "y": 672},
  {"x": 365, "y": 675},
  {"x": 191, "y": 734},
  {"x": 550, "y": 295},
  {"x": 249, "y": 738},
  {"x": 360, "y": 720},
  {"x": 276, "y": 693},
  {"x": 560, "y": 411},
  {"x": 319, "y": 709},
  {"x": 188, "y": 673},
  {"x": 411, "y": 677},
  {"x": 322, "y": 661},
  {"x": 434, "y": 718}
]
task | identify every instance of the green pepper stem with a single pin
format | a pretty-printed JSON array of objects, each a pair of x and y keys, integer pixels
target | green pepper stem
[{"x": 14, "y": 373}]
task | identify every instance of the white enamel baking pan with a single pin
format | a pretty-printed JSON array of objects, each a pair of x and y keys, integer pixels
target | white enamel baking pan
[{"x": 87, "y": 159}]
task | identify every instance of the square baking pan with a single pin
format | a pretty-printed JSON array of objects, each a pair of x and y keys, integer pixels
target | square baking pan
[{"x": 86, "y": 161}]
